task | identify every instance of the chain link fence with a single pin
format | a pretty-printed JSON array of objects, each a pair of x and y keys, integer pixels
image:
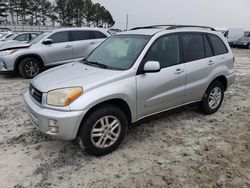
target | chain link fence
[{"x": 29, "y": 28}]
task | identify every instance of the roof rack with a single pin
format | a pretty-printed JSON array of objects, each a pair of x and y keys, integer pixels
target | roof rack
[
  {"x": 195, "y": 26},
  {"x": 152, "y": 27},
  {"x": 170, "y": 27}
]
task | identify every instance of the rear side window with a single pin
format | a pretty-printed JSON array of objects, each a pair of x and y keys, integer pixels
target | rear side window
[
  {"x": 60, "y": 37},
  {"x": 81, "y": 35},
  {"x": 99, "y": 35},
  {"x": 218, "y": 45},
  {"x": 193, "y": 47},
  {"x": 208, "y": 49},
  {"x": 165, "y": 50}
]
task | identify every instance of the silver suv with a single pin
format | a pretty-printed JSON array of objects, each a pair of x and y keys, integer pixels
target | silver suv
[
  {"x": 50, "y": 48},
  {"x": 128, "y": 77}
]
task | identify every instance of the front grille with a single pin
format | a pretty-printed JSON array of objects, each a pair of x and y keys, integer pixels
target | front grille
[{"x": 36, "y": 94}]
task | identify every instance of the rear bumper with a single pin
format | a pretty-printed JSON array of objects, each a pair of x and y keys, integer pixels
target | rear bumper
[
  {"x": 68, "y": 122},
  {"x": 230, "y": 79}
]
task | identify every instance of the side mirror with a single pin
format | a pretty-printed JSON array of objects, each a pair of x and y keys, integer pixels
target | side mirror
[
  {"x": 152, "y": 66},
  {"x": 47, "y": 41}
]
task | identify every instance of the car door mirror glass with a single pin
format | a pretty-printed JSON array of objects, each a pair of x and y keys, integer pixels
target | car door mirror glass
[
  {"x": 47, "y": 41},
  {"x": 151, "y": 66}
]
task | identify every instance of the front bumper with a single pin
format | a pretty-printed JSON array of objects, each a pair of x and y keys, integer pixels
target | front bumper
[
  {"x": 3, "y": 67},
  {"x": 69, "y": 122}
]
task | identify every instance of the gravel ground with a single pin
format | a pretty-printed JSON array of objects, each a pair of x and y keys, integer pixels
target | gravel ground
[{"x": 181, "y": 148}]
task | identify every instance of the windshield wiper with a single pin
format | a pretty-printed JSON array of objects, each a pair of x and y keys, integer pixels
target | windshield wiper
[{"x": 96, "y": 63}]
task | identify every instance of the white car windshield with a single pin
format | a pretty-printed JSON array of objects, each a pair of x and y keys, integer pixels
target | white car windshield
[
  {"x": 118, "y": 52},
  {"x": 39, "y": 37}
]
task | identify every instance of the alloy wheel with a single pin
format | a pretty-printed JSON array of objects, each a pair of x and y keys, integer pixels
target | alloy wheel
[
  {"x": 214, "y": 98},
  {"x": 105, "y": 132},
  {"x": 31, "y": 68}
]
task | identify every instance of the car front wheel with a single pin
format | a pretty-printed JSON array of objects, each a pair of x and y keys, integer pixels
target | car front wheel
[
  {"x": 29, "y": 67},
  {"x": 103, "y": 130}
]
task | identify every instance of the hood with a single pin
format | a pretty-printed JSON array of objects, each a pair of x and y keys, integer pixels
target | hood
[
  {"x": 73, "y": 74},
  {"x": 13, "y": 45}
]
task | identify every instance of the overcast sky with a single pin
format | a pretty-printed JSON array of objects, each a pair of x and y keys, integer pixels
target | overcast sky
[{"x": 216, "y": 13}]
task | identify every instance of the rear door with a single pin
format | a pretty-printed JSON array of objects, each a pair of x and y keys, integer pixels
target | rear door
[
  {"x": 220, "y": 50},
  {"x": 165, "y": 89},
  {"x": 199, "y": 61},
  {"x": 84, "y": 42},
  {"x": 60, "y": 51}
]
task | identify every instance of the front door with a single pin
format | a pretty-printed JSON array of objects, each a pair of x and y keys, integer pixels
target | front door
[
  {"x": 165, "y": 89},
  {"x": 60, "y": 51}
]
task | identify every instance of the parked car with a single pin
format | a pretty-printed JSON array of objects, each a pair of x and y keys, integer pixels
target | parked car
[
  {"x": 7, "y": 36},
  {"x": 232, "y": 33},
  {"x": 244, "y": 42},
  {"x": 49, "y": 49},
  {"x": 130, "y": 76},
  {"x": 247, "y": 34},
  {"x": 11, "y": 39},
  {"x": 4, "y": 31}
]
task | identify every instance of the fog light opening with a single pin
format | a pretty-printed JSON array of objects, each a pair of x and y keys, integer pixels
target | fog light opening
[{"x": 54, "y": 126}]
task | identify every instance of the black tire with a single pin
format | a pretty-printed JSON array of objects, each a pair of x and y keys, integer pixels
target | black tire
[
  {"x": 248, "y": 46},
  {"x": 26, "y": 65},
  {"x": 92, "y": 120},
  {"x": 205, "y": 107}
]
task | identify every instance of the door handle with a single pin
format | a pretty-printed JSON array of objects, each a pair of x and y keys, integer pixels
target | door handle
[
  {"x": 68, "y": 46},
  {"x": 211, "y": 62},
  {"x": 179, "y": 71},
  {"x": 92, "y": 43}
]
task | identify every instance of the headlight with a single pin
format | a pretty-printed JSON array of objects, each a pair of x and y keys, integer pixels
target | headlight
[
  {"x": 7, "y": 52},
  {"x": 64, "y": 96}
]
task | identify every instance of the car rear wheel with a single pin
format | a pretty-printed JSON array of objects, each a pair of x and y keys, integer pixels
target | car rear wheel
[
  {"x": 248, "y": 46},
  {"x": 213, "y": 98},
  {"x": 29, "y": 67},
  {"x": 103, "y": 130}
]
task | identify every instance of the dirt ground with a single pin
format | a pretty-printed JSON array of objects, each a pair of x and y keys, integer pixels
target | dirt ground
[{"x": 181, "y": 148}]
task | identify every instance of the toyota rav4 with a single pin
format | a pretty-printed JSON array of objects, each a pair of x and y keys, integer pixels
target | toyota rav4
[{"x": 128, "y": 77}]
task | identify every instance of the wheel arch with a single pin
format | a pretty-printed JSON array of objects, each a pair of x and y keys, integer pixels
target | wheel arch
[
  {"x": 20, "y": 58},
  {"x": 120, "y": 103},
  {"x": 222, "y": 79}
]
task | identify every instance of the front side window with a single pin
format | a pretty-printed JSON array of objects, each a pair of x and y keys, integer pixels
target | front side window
[
  {"x": 60, "y": 37},
  {"x": 23, "y": 37},
  {"x": 193, "y": 47},
  {"x": 218, "y": 45},
  {"x": 165, "y": 50},
  {"x": 119, "y": 52}
]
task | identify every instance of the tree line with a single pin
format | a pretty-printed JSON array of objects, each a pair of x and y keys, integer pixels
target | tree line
[{"x": 64, "y": 12}]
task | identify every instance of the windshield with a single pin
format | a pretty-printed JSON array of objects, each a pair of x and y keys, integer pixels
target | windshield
[
  {"x": 39, "y": 37},
  {"x": 119, "y": 52}
]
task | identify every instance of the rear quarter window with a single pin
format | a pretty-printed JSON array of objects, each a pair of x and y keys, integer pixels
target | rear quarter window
[
  {"x": 218, "y": 45},
  {"x": 99, "y": 35}
]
